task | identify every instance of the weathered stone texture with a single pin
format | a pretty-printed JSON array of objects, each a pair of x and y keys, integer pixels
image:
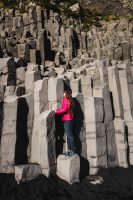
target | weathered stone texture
[
  {"x": 24, "y": 173},
  {"x": 30, "y": 78},
  {"x": 46, "y": 145},
  {"x": 114, "y": 86},
  {"x": 79, "y": 125},
  {"x": 127, "y": 102},
  {"x": 55, "y": 92},
  {"x": 70, "y": 172},
  {"x": 112, "y": 157},
  {"x": 8, "y": 137},
  {"x": 95, "y": 134},
  {"x": 41, "y": 55},
  {"x": 121, "y": 143},
  {"x": 40, "y": 105}
]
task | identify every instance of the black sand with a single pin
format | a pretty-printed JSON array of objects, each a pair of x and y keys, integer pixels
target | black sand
[{"x": 117, "y": 185}]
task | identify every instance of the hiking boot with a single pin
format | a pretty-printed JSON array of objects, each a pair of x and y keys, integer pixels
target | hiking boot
[
  {"x": 71, "y": 153},
  {"x": 67, "y": 153}
]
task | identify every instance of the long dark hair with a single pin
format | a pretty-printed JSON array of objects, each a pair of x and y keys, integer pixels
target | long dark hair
[{"x": 71, "y": 102}]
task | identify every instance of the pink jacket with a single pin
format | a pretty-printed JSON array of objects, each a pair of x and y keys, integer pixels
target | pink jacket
[{"x": 64, "y": 110}]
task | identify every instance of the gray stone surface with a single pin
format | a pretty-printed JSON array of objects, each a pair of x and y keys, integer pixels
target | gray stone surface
[
  {"x": 40, "y": 45},
  {"x": 98, "y": 63},
  {"x": 40, "y": 105},
  {"x": 86, "y": 85},
  {"x": 126, "y": 101},
  {"x": 95, "y": 111},
  {"x": 26, "y": 102},
  {"x": 76, "y": 85},
  {"x": 20, "y": 75},
  {"x": 25, "y": 173},
  {"x": 103, "y": 92},
  {"x": 55, "y": 92},
  {"x": 111, "y": 145},
  {"x": 96, "y": 78},
  {"x": 114, "y": 86},
  {"x": 8, "y": 137},
  {"x": 9, "y": 91},
  {"x": 30, "y": 78},
  {"x": 101, "y": 65},
  {"x": 68, "y": 168},
  {"x": 79, "y": 125},
  {"x": 121, "y": 142},
  {"x": 23, "y": 51},
  {"x": 46, "y": 143},
  {"x": 95, "y": 134}
]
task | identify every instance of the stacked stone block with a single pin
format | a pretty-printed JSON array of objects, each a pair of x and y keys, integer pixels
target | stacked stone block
[{"x": 95, "y": 134}]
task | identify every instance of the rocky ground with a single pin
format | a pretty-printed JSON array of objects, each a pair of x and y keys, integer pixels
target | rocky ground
[
  {"x": 117, "y": 7},
  {"x": 117, "y": 185}
]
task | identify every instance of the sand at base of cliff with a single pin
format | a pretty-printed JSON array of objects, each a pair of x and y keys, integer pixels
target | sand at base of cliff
[{"x": 117, "y": 185}]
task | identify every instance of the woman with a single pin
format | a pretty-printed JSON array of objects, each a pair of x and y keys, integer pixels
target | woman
[{"x": 67, "y": 117}]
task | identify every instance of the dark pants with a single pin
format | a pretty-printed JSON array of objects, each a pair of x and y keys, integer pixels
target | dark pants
[{"x": 68, "y": 126}]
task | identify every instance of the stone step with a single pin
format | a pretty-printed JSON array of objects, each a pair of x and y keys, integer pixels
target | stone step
[{"x": 68, "y": 168}]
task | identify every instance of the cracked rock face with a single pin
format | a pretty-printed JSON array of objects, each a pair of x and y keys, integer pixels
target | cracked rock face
[
  {"x": 119, "y": 7},
  {"x": 42, "y": 55}
]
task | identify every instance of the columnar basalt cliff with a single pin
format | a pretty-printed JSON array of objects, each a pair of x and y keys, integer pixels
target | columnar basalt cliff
[{"x": 41, "y": 54}]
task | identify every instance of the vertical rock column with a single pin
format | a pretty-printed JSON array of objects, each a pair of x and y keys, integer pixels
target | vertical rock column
[
  {"x": 40, "y": 105},
  {"x": 56, "y": 24},
  {"x": 33, "y": 21},
  {"x": 79, "y": 125},
  {"x": 114, "y": 86},
  {"x": 62, "y": 39},
  {"x": 39, "y": 17},
  {"x": 24, "y": 51},
  {"x": 55, "y": 92},
  {"x": 95, "y": 134},
  {"x": 69, "y": 48},
  {"x": 101, "y": 65},
  {"x": 40, "y": 45},
  {"x": 30, "y": 78},
  {"x": 26, "y": 22},
  {"x": 130, "y": 86},
  {"x": 46, "y": 143},
  {"x": 11, "y": 81},
  {"x": 127, "y": 103},
  {"x": 96, "y": 77},
  {"x": 55, "y": 95},
  {"x": 76, "y": 85},
  {"x": 25, "y": 114},
  {"x": 30, "y": 102},
  {"x": 8, "y": 137},
  {"x": 86, "y": 86},
  {"x": 78, "y": 31},
  {"x": 84, "y": 41},
  {"x": 115, "y": 89},
  {"x": 121, "y": 142},
  {"x": 103, "y": 92},
  {"x": 1, "y": 109}
]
